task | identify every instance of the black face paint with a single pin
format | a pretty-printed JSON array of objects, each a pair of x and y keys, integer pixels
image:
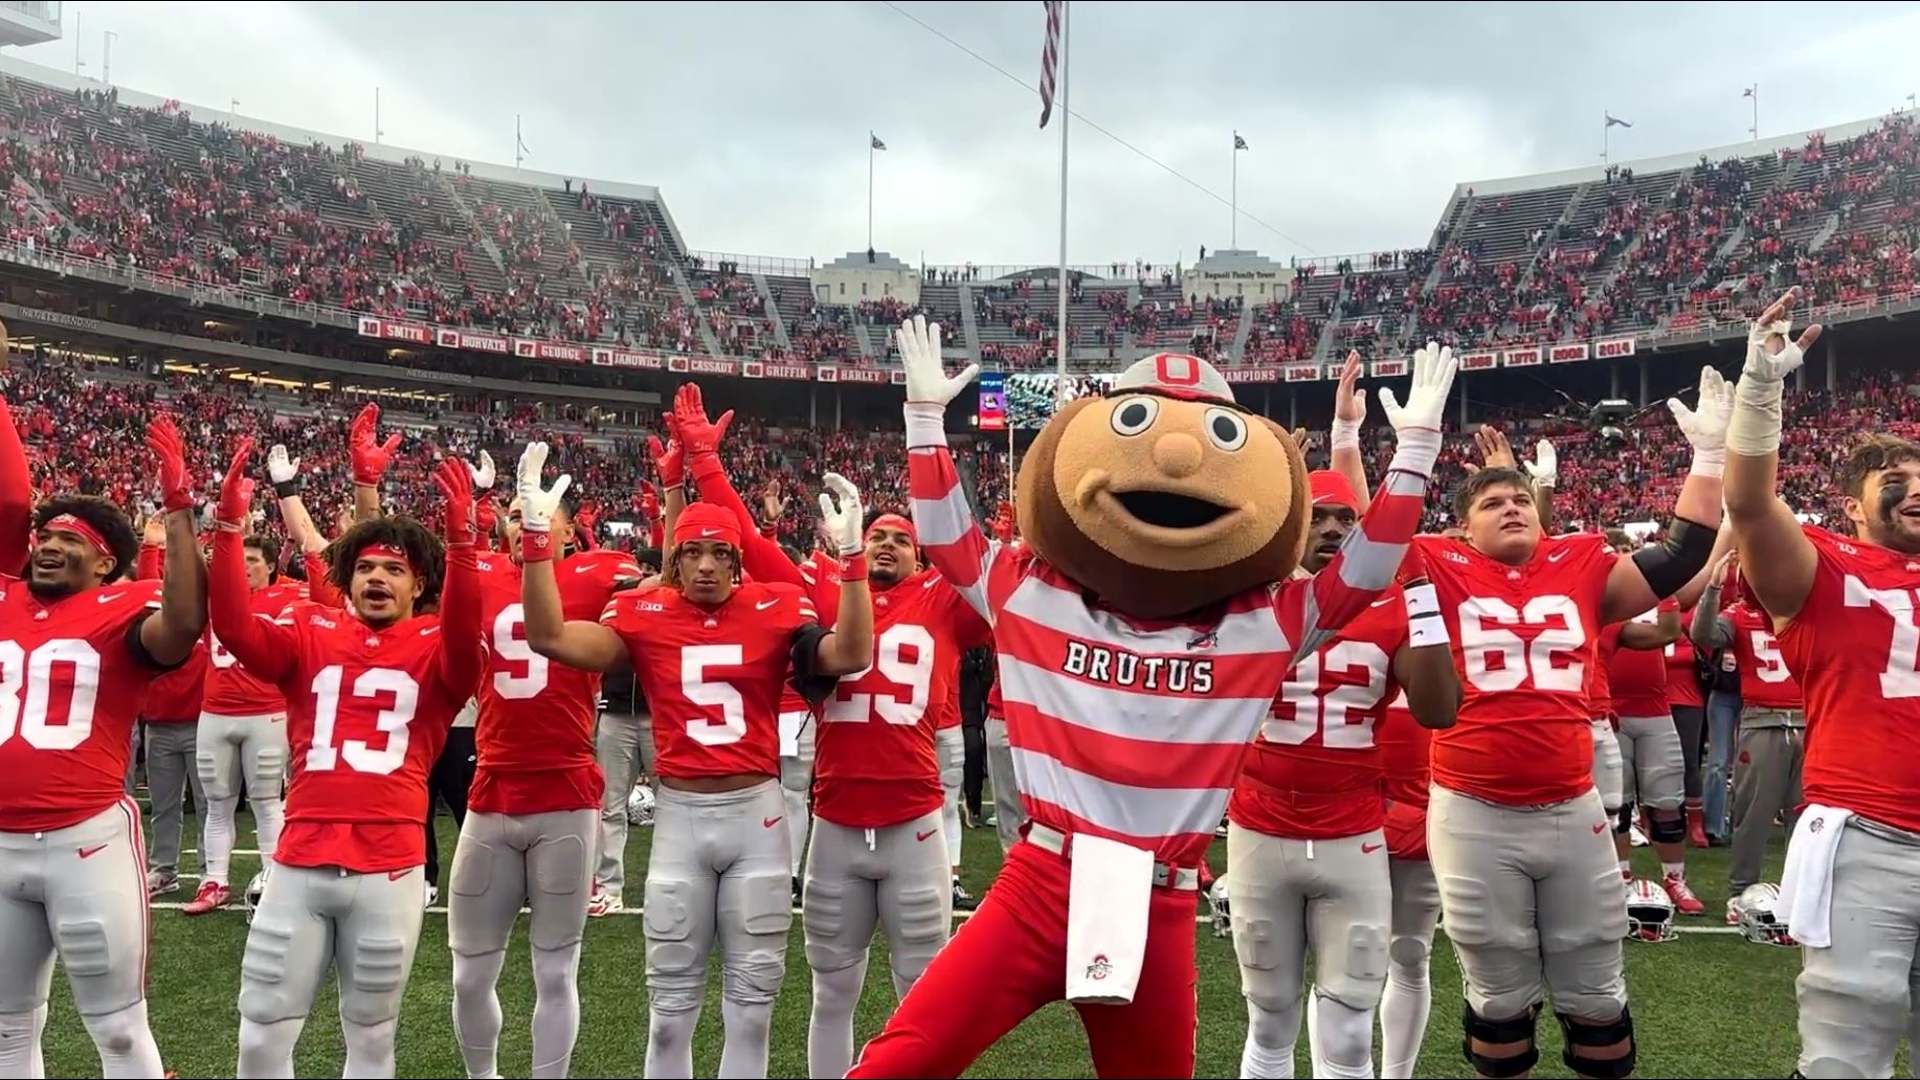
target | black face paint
[{"x": 1893, "y": 492}]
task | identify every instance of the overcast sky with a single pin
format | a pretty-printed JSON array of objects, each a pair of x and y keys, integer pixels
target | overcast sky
[{"x": 752, "y": 118}]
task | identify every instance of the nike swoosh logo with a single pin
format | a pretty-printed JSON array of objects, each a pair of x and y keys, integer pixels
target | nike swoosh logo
[
  {"x": 922, "y": 836},
  {"x": 1368, "y": 849},
  {"x": 704, "y": 533},
  {"x": 1556, "y": 556},
  {"x": 106, "y": 599},
  {"x": 768, "y": 823},
  {"x": 396, "y": 875},
  {"x": 90, "y": 852},
  {"x": 764, "y": 605},
  {"x": 1600, "y": 828},
  {"x": 1381, "y": 603}
]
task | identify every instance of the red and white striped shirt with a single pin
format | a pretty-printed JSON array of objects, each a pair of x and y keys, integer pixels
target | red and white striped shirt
[{"x": 1131, "y": 729}]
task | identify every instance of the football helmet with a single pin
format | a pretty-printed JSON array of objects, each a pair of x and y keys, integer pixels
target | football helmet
[
  {"x": 1649, "y": 912},
  {"x": 250, "y": 897},
  {"x": 1755, "y": 913},
  {"x": 1218, "y": 904},
  {"x": 640, "y": 805}
]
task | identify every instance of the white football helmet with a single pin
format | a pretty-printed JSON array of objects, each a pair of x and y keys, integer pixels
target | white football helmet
[
  {"x": 1649, "y": 912},
  {"x": 250, "y": 897},
  {"x": 640, "y": 805},
  {"x": 1222, "y": 911},
  {"x": 1755, "y": 912}
]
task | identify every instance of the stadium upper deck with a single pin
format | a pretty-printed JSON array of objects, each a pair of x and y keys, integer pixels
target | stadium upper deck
[{"x": 403, "y": 245}]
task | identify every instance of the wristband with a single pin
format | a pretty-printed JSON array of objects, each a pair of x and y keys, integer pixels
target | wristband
[
  {"x": 1424, "y": 623},
  {"x": 1709, "y": 461},
  {"x": 287, "y": 489},
  {"x": 536, "y": 545},
  {"x": 853, "y": 567},
  {"x": 1344, "y": 435}
]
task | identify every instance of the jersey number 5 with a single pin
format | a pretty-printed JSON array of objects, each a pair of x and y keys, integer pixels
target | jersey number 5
[
  {"x": 392, "y": 721},
  {"x": 915, "y": 676},
  {"x": 1496, "y": 659},
  {"x": 26, "y": 692},
  {"x": 510, "y": 644},
  {"x": 699, "y": 690}
]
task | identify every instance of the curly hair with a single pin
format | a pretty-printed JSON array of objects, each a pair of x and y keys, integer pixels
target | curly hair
[
  {"x": 670, "y": 567},
  {"x": 104, "y": 517},
  {"x": 424, "y": 550}
]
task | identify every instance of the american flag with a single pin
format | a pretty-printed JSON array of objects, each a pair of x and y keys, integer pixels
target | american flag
[{"x": 1050, "y": 58}]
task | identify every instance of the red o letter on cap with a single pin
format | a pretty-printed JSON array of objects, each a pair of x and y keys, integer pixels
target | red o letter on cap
[{"x": 1172, "y": 369}]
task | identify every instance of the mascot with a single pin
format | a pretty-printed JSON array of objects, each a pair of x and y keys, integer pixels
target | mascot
[{"x": 1142, "y": 632}]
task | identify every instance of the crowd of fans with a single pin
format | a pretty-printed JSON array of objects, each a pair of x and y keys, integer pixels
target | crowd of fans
[{"x": 207, "y": 202}]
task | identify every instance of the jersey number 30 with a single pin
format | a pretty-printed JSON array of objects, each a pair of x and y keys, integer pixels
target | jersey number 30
[{"x": 26, "y": 690}]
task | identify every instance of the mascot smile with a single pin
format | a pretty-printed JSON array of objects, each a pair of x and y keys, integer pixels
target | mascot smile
[{"x": 1141, "y": 633}]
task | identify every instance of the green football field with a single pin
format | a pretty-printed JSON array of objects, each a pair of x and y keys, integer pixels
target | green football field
[{"x": 1707, "y": 1005}]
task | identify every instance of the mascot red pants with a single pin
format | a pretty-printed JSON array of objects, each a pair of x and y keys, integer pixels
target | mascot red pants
[{"x": 1009, "y": 959}]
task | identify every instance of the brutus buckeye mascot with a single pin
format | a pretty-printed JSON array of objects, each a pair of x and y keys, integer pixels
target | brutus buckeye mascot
[{"x": 1142, "y": 632}]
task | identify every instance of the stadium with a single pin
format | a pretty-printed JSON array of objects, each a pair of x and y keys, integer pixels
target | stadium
[{"x": 261, "y": 280}]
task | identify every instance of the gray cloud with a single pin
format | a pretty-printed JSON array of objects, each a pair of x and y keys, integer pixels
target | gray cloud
[{"x": 753, "y": 117}]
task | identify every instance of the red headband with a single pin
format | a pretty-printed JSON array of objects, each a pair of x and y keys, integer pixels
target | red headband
[
  {"x": 705, "y": 521},
  {"x": 1330, "y": 488},
  {"x": 70, "y": 524},
  {"x": 895, "y": 521},
  {"x": 385, "y": 551}
]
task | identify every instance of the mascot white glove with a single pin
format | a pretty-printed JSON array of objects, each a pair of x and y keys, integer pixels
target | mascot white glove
[
  {"x": 929, "y": 388},
  {"x": 483, "y": 474},
  {"x": 1545, "y": 466},
  {"x": 1416, "y": 425},
  {"x": 842, "y": 525},
  {"x": 537, "y": 503},
  {"x": 1706, "y": 426}
]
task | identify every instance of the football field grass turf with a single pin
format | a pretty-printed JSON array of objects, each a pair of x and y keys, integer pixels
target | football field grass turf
[{"x": 1707, "y": 1005}]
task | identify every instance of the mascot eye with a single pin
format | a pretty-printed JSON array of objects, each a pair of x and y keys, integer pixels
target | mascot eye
[
  {"x": 1135, "y": 415},
  {"x": 1227, "y": 430}
]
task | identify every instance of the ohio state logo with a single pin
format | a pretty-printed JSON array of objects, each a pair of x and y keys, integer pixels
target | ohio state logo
[{"x": 1100, "y": 968}]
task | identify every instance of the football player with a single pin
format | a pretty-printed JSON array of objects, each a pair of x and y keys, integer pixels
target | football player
[
  {"x": 79, "y": 643},
  {"x": 879, "y": 856},
  {"x": 711, "y": 654},
  {"x": 1305, "y": 848},
  {"x": 1516, "y": 831},
  {"x": 534, "y": 805},
  {"x": 371, "y": 692}
]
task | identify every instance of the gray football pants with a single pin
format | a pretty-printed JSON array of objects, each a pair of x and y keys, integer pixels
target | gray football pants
[
  {"x": 1008, "y": 811},
  {"x": 1768, "y": 752},
  {"x": 623, "y": 743},
  {"x": 1856, "y": 995},
  {"x": 1651, "y": 762},
  {"x": 170, "y": 771}
]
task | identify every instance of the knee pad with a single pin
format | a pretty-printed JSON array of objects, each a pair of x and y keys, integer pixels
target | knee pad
[
  {"x": 839, "y": 991},
  {"x": 1342, "y": 1033},
  {"x": 1581, "y": 1034},
  {"x": 1518, "y": 1029},
  {"x": 676, "y": 960},
  {"x": 752, "y": 976},
  {"x": 117, "y": 1032},
  {"x": 1623, "y": 820},
  {"x": 1666, "y": 826},
  {"x": 556, "y": 970},
  {"x": 1408, "y": 954}
]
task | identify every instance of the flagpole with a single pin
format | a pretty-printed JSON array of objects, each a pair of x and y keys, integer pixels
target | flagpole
[
  {"x": 1754, "y": 93},
  {"x": 1606, "y": 136},
  {"x": 869, "y": 190},
  {"x": 1066, "y": 115},
  {"x": 1234, "y": 207}
]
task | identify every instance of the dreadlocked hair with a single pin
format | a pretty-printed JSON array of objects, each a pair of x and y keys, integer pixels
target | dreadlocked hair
[
  {"x": 670, "y": 566},
  {"x": 102, "y": 516},
  {"x": 424, "y": 550}
]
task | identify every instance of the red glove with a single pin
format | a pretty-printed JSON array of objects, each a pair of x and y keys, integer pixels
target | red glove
[
  {"x": 698, "y": 435},
  {"x": 649, "y": 500},
  {"x": 667, "y": 458},
  {"x": 455, "y": 482},
  {"x": 236, "y": 490},
  {"x": 170, "y": 461},
  {"x": 370, "y": 457}
]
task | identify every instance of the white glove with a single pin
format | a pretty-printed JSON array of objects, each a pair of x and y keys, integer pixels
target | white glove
[
  {"x": 1416, "y": 425},
  {"x": 281, "y": 468},
  {"x": 843, "y": 525},
  {"x": 1772, "y": 366},
  {"x": 483, "y": 475},
  {"x": 538, "y": 503},
  {"x": 1706, "y": 426},
  {"x": 1545, "y": 466},
  {"x": 929, "y": 387}
]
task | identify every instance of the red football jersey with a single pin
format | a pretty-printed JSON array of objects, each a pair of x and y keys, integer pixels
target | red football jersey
[
  {"x": 368, "y": 711},
  {"x": 1765, "y": 682},
  {"x": 70, "y": 691},
  {"x": 1683, "y": 684},
  {"x": 1638, "y": 677},
  {"x": 231, "y": 689},
  {"x": 1856, "y": 647},
  {"x": 1524, "y": 640},
  {"x": 874, "y": 762},
  {"x": 1600, "y": 676},
  {"x": 713, "y": 677},
  {"x": 820, "y": 573},
  {"x": 1406, "y": 749},
  {"x": 534, "y": 736},
  {"x": 1317, "y": 772},
  {"x": 175, "y": 697}
]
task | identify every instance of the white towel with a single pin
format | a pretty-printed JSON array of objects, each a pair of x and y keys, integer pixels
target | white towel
[
  {"x": 1806, "y": 886},
  {"x": 790, "y": 725},
  {"x": 1107, "y": 914}
]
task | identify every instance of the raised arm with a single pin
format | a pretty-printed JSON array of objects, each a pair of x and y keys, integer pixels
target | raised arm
[
  {"x": 1712, "y": 630},
  {"x": 370, "y": 458},
  {"x": 16, "y": 490},
  {"x": 1349, "y": 411},
  {"x": 264, "y": 647},
  {"x": 1654, "y": 573},
  {"x": 460, "y": 654},
  {"x": 1663, "y": 631},
  {"x": 588, "y": 646},
  {"x": 1778, "y": 557},
  {"x": 948, "y": 533},
  {"x": 848, "y": 647},
  {"x": 700, "y": 443},
  {"x": 1371, "y": 554},
  {"x": 1424, "y": 665},
  {"x": 170, "y": 634}
]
